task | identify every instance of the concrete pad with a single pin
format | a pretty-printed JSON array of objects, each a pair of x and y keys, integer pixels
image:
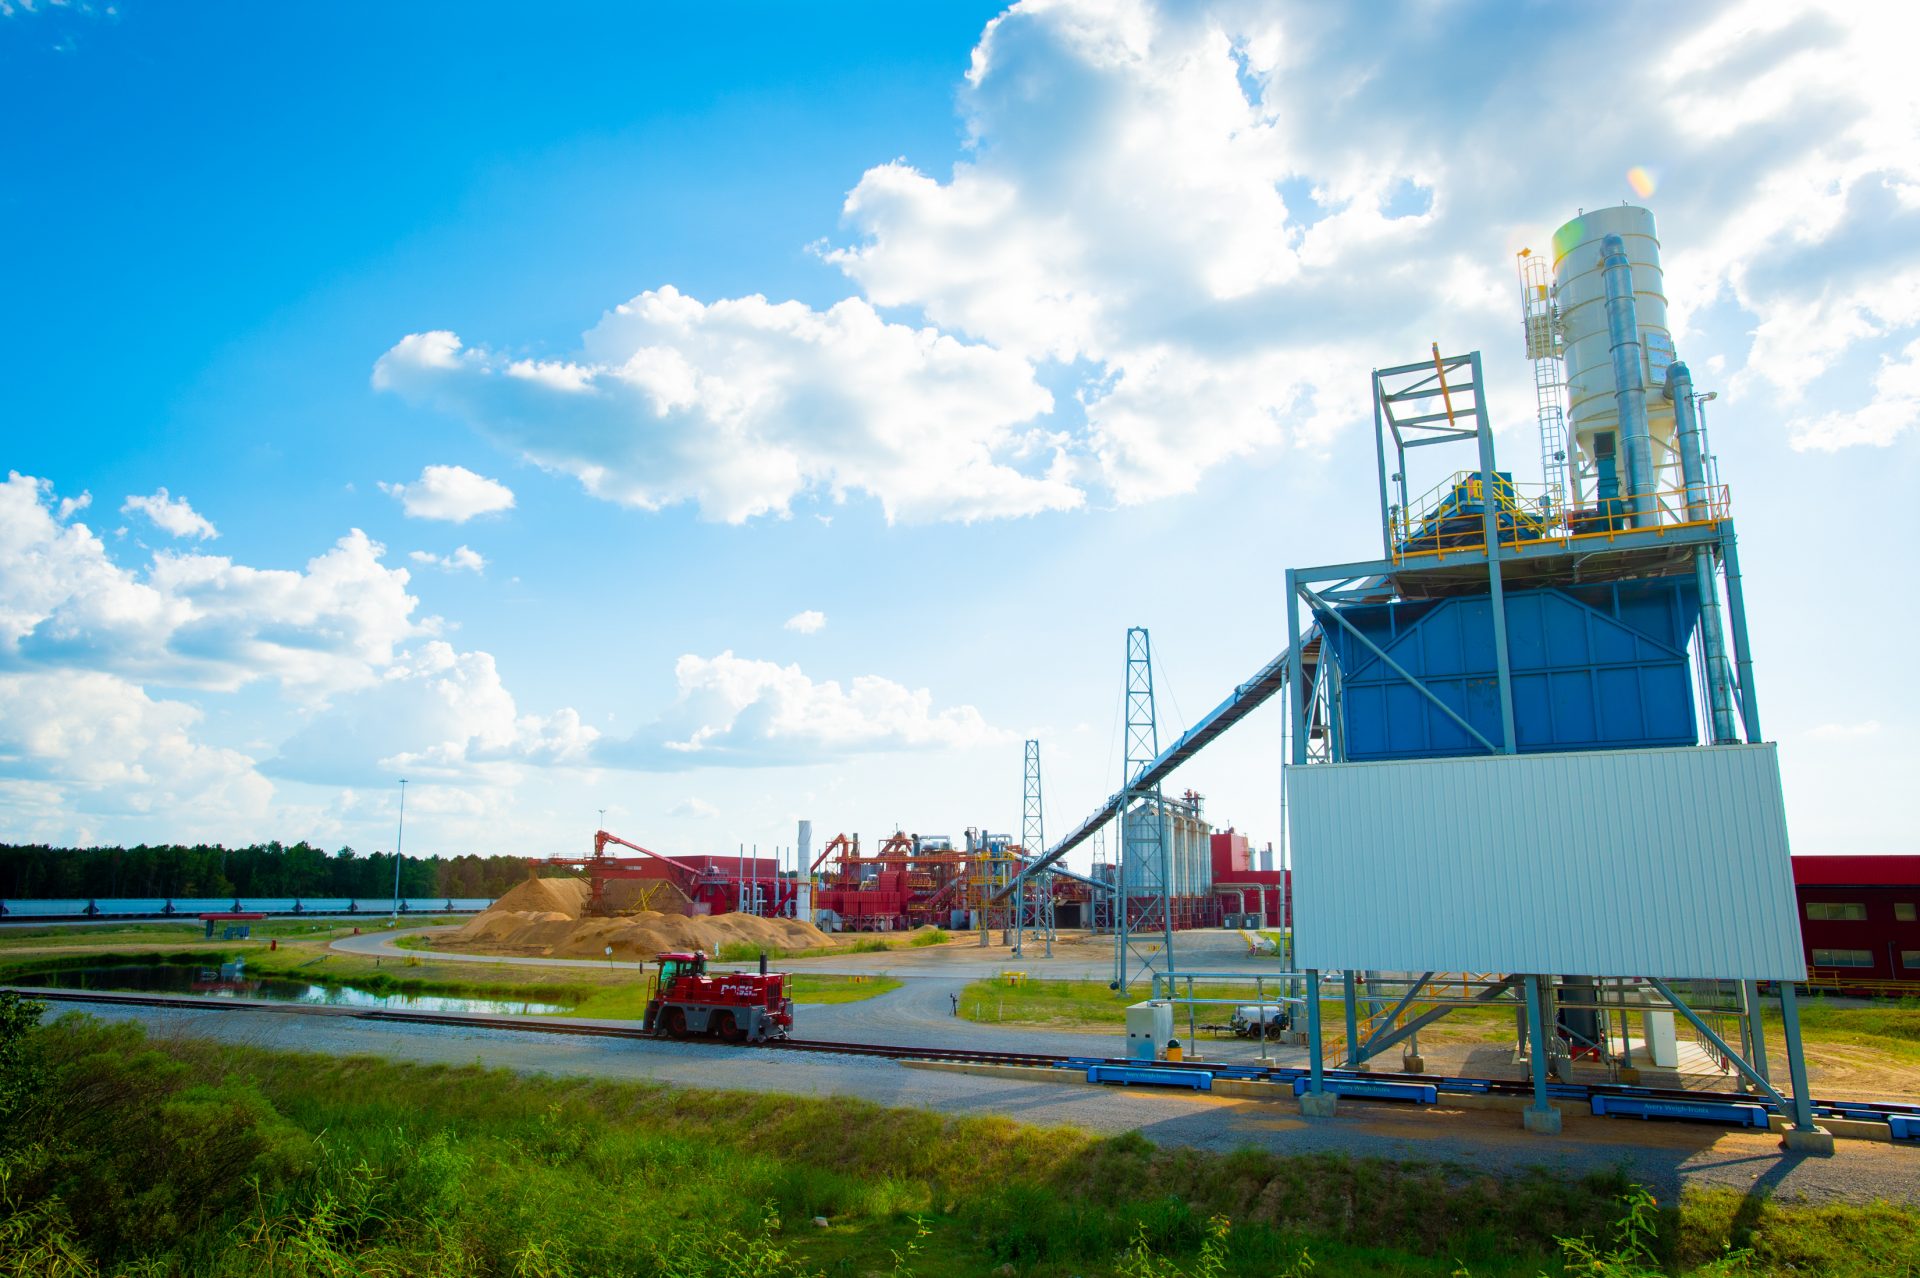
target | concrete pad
[
  {"x": 1319, "y": 1104},
  {"x": 1818, "y": 1142},
  {"x": 1543, "y": 1122}
]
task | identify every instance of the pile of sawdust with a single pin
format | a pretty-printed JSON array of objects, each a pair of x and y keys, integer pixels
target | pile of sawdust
[{"x": 543, "y": 917}]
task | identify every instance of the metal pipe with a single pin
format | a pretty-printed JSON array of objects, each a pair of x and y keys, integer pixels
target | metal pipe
[
  {"x": 1692, "y": 441},
  {"x": 1713, "y": 649},
  {"x": 1629, "y": 382},
  {"x": 1742, "y": 651}
]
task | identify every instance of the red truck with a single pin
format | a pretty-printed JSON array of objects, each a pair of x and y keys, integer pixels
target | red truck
[{"x": 740, "y": 1007}]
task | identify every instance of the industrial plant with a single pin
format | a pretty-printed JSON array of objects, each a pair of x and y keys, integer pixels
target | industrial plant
[{"x": 1523, "y": 768}]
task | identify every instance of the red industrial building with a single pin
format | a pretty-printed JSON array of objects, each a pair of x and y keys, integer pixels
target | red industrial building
[
  {"x": 1860, "y": 921},
  {"x": 1243, "y": 889},
  {"x": 698, "y": 884}
]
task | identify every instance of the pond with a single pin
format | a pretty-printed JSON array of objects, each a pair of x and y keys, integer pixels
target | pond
[{"x": 230, "y": 980}]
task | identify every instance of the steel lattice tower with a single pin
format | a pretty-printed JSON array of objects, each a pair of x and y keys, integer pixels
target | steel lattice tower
[
  {"x": 1143, "y": 919},
  {"x": 1033, "y": 910}
]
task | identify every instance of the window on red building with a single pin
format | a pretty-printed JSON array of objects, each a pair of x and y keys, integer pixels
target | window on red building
[
  {"x": 1903, "y": 911},
  {"x": 1836, "y": 911},
  {"x": 1842, "y": 958}
]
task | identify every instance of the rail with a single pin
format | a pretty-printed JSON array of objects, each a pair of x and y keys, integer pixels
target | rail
[{"x": 1868, "y": 1110}]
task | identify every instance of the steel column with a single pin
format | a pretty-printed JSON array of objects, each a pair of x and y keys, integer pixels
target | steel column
[
  {"x": 1316, "y": 1067},
  {"x": 1536, "y": 1046},
  {"x": 1380, "y": 458},
  {"x": 1796, "y": 1057},
  {"x": 1353, "y": 1020},
  {"x": 1490, "y": 523},
  {"x": 1296, "y": 679},
  {"x": 1756, "y": 1018}
]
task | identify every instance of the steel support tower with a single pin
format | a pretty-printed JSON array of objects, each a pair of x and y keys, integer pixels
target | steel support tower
[
  {"x": 1143, "y": 917},
  {"x": 1034, "y": 909}
]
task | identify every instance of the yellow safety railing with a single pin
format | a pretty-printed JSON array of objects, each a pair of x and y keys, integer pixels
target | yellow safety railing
[{"x": 1448, "y": 520}]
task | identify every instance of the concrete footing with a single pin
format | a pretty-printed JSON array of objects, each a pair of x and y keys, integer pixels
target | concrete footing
[
  {"x": 1630, "y": 1075},
  {"x": 1319, "y": 1104},
  {"x": 1545, "y": 1122},
  {"x": 1413, "y": 1064},
  {"x": 1818, "y": 1142}
]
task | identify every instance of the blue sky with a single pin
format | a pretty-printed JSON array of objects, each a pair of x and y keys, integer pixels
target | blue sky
[{"x": 983, "y": 337}]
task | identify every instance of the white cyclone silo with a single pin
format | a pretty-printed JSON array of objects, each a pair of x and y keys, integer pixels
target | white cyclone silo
[{"x": 1580, "y": 293}]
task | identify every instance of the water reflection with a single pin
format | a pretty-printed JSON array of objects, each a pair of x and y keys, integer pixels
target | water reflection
[{"x": 229, "y": 980}]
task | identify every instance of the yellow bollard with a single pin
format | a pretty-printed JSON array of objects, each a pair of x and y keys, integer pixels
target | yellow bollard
[{"x": 1173, "y": 1050}]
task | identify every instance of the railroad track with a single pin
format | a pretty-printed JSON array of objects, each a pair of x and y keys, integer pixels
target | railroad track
[{"x": 1246, "y": 1072}]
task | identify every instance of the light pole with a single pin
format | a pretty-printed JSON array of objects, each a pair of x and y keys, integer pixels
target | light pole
[{"x": 398, "y": 839}]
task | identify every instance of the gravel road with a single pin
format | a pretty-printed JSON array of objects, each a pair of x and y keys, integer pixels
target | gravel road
[{"x": 1663, "y": 1156}]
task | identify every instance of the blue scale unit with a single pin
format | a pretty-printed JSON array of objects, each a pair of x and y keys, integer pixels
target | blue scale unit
[{"x": 1594, "y": 668}]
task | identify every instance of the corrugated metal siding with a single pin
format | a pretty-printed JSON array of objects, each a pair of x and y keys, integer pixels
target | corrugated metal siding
[{"x": 1669, "y": 863}]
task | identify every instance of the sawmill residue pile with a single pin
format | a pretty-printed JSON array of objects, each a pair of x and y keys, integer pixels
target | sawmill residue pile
[{"x": 546, "y": 917}]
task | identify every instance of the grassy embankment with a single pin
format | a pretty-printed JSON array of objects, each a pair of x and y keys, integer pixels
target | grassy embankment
[
  {"x": 185, "y": 1156},
  {"x": 611, "y": 993}
]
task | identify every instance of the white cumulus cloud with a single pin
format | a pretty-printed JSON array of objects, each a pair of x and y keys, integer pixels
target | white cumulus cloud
[
  {"x": 452, "y": 493},
  {"x": 734, "y": 711},
  {"x": 193, "y": 619},
  {"x": 1895, "y": 408},
  {"x": 87, "y": 743},
  {"x": 809, "y": 622},
  {"x": 437, "y": 713},
  {"x": 460, "y": 559},
  {"x": 171, "y": 515},
  {"x": 744, "y": 405}
]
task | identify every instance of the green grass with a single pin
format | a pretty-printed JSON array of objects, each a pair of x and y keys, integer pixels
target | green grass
[
  {"x": 1892, "y": 1026},
  {"x": 1091, "y": 1004},
  {"x": 185, "y": 1156}
]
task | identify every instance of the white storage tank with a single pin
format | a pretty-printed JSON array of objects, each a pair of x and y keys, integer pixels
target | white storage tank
[{"x": 1580, "y": 292}]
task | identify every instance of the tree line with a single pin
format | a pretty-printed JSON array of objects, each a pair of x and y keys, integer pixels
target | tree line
[{"x": 31, "y": 871}]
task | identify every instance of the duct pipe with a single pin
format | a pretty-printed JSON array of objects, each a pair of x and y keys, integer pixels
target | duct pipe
[
  {"x": 1693, "y": 464},
  {"x": 1629, "y": 384},
  {"x": 1713, "y": 649}
]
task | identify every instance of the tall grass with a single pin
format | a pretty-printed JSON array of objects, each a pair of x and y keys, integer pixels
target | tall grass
[{"x": 181, "y": 1156}]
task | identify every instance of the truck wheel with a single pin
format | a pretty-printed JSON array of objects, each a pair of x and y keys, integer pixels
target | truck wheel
[
  {"x": 728, "y": 1027},
  {"x": 675, "y": 1022}
]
